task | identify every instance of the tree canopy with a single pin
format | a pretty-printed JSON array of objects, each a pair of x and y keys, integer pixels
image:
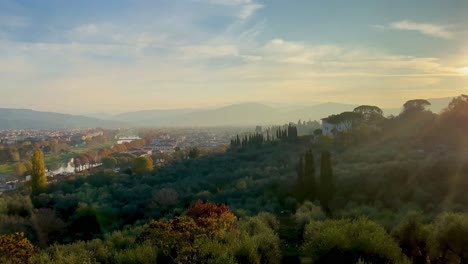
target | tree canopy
[
  {"x": 416, "y": 105},
  {"x": 142, "y": 165}
]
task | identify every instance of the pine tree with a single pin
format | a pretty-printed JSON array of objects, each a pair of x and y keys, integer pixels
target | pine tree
[
  {"x": 326, "y": 181},
  {"x": 38, "y": 174}
]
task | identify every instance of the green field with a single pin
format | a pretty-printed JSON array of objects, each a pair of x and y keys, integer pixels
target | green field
[{"x": 6, "y": 168}]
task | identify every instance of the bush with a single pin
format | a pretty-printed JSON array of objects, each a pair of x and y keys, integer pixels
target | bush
[
  {"x": 347, "y": 241},
  {"x": 308, "y": 212},
  {"x": 448, "y": 242}
]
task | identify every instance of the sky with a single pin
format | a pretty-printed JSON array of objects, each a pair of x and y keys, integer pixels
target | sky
[{"x": 124, "y": 55}]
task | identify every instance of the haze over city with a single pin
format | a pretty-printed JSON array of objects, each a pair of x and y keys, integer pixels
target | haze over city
[{"x": 89, "y": 56}]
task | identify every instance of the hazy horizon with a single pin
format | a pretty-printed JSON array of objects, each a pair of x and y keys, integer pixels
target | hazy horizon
[{"x": 92, "y": 57}]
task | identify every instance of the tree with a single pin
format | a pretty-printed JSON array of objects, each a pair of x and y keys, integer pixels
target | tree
[
  {"x": 14, "y": 154},
  {"x": 300, "y": 179},
  {"x": 165, "y": 197},
  {"x": 346, "y": 119},
  {"x": 20, "y": 169},
  {"x": 109, "y": 162},
  {"x": 180, "y": 238},
  {"x": 309, "y": 171},
  {"x": 415, "y": 106},
  {"x": 448, "y": 242},
  {"x": 455, "y": 117},
  {"x": 318, "y": 132},
  {"x": 369, "y": 112},
  {"x": 142, "y": 165},
  {"x": 15, "y": 248},
  {"x": 77, "y": 163},
  {"x": 458, "y": 104},
  {"x": 215, "y": 219},
  {"x": 194, "y": 153},
  {"x": 347, "y": 241},
  {"x": 412, "y": 236},
  {"x": 326, "y": 181},
  {"x": 38, "y": 174},
  {"x": 46, "y": 224}
]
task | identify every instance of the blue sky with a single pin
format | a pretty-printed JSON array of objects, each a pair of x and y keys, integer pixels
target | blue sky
[{"x": 115, "y": 56}]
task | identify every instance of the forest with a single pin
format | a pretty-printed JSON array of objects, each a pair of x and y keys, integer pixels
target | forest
[{"x": 385, "y": 190}]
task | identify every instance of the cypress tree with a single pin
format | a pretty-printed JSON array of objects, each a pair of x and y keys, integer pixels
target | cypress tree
[
  {"x": 38, "y": 174},
  {"x": 309, "y": 170},
  {"x": 300, "y": 179},
  {"x": 326, "y": 181}
]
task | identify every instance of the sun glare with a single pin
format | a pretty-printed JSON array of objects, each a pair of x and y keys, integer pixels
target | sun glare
[{"x": 464, "y": 70}]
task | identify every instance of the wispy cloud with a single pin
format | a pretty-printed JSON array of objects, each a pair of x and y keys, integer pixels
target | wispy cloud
[
  {"x": 216, "y": 49},
  {"x": 428, "y": 29},
  {"x": 247, "y": 8}
]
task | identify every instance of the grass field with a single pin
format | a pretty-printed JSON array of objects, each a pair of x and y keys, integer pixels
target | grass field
[{"x": 6, "y": 168}]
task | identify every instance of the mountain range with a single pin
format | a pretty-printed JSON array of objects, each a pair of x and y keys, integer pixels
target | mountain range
[
  {"x": 247, "y": 114},
  {"x": 29, "y": 119}
]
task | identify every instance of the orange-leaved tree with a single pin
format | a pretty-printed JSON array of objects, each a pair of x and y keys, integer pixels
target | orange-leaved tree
[
  {"x": 214, "y": 219},
  {"x": 180, "y": 238}
]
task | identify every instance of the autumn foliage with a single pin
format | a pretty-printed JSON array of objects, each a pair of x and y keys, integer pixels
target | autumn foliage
[
  {"x": 214, "y": 219},
  {"x": 15, "y": 248},
  {"x": 180, "y": 238}
]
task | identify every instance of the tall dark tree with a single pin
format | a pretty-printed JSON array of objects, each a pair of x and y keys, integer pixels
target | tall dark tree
[
  {"x": 326, "y": 181},
  {"x": 300, "y": 171},
  {"x": 309, "y": 171},
  {"x": 194, "y": 153}
]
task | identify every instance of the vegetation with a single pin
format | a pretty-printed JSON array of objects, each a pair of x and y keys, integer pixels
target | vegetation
[
  {"x": 38, "y": 174},
  {"x": 389, "y": 190}
]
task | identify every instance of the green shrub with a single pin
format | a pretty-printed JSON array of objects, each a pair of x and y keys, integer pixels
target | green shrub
[{"x": 347, "y": 241}]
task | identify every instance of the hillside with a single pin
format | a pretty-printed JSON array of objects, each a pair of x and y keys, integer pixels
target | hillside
[{"x": 30, "y": 119}]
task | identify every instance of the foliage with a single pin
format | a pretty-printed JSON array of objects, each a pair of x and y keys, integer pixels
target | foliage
[
  {"x": 142, "y": 165},
  {"x": 412, "y": 235},
  {"x": 179, "y": 238},
  {"x": 347, "y": 241},
  {"x": 448, "y": 242},
  {"x": 414, "y": 106},
  {"x": 215, "y": 219},
  {"x": 165, "y": 197},
  {"x": 253, "y": 242},
  {"x": 15, "y": 248},
  {"x": 194, "y": 153},
  {"x": 370, "y": 114},
  {"x": 326, "y": 181},
  {"x": 109, "y": 162},
  {"x": 38, "y": 175},
  {"x": 308, "y": 212},
  {"x": 47, "y": 225}
]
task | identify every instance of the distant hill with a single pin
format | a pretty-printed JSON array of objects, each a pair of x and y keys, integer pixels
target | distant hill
[
  {"x": 30, "y": 119},
  {"x": 246, "y": 114},
  {"x": 249, "y": 114},
  {"x": 237, "y": 114}
]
